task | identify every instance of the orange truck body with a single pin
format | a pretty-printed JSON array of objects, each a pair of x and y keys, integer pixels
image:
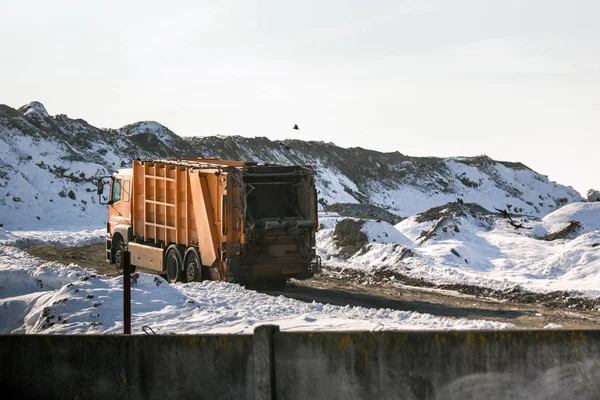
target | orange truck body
[{"x": 199, "y": 219}]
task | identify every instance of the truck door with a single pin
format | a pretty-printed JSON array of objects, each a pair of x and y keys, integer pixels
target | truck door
[{"x": 120, "y": 201}]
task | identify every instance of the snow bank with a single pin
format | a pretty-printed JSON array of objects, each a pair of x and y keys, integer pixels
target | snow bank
[
  {"x": 384, "y": 232},
  {"x": 587, "y": 214},
  {"x": 577, "y": 261},
  {"x": 78, "y": 237},
  {"x": 95, "y": 306}
]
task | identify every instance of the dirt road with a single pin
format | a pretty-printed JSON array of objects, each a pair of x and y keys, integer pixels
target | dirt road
[
  {"x": 93, "y": 257},
  {"x": 439, "y": 302},
  {"x": 342, "y": 290}
]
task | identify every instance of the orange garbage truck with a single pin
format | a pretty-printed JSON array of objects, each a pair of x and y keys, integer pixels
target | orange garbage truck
[{"x": 212, "y": 219}]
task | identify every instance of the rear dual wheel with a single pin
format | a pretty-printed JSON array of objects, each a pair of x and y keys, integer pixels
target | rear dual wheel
[
  {"x": 173, "y": 264},
  {"x": 193, "y": 267},
  {"x": 186, "y": 269}
]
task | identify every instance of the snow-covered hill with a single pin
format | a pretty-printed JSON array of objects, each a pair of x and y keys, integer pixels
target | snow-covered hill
[
  {"x": 151, "y": 131},
  {"x": 465, "y": 244},
  {"x": 401, "y": 184},
  {"x": 49, "y": 165}
]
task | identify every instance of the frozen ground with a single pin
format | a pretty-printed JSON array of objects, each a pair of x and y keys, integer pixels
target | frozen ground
[
  {"x": 465, "y": 248},
  {"x": 47, "y": 297}
]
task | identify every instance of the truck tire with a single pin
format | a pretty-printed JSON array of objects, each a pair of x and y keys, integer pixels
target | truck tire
[
  {"x": 192, "y": 269},
  {"x": 119, "y": 249},
  {"x": 173, "y": 264}
]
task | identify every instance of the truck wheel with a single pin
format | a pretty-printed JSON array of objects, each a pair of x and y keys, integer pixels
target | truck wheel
[
  {"x": 119, "y": 254},
  {"x": 173, "y": 265},
  {"x": 192, "y": 267}
]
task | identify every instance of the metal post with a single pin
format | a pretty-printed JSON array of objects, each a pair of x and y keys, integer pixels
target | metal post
[{"x": 127, "y": 293}]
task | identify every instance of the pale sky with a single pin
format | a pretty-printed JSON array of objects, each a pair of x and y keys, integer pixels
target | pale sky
[{"x": 518, "y": 80}]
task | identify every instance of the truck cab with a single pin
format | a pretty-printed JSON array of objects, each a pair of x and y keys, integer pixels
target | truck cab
[{"x": 118, "y": 225}]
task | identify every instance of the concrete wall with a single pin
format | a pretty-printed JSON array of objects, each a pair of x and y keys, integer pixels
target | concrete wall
[
  {"x": 127, "y": 367},
  {"x": 554, "y": 364},
  {"x": 438, "y": 365}
]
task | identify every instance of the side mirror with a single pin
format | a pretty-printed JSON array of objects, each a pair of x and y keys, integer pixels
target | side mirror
[{"x": 100, "y": 189}]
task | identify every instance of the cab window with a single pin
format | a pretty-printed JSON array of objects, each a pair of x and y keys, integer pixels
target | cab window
[{"x": 116, "y": 191}]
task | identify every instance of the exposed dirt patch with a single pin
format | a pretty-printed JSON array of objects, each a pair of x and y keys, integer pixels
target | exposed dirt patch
[
  {"x": 349, "y": 236},
  {"x": 364, "y": 211},
  {"x": 385, "y": 276},
  {"x": 427, "y": 298},
  {"x": 93, "y": 257},
  {"x": 88, "y": 256},
  {"x": 438, "y": 302},
  {"x": 568, "y": 232},
  {"x": 455, "y": 209}
]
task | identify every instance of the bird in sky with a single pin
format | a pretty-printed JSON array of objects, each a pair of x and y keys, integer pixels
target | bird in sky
[{"x": 296, "y": 127}]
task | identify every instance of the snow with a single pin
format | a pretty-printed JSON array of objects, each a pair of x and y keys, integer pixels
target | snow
[
  {"x": 552, "y": 326},
  {"x": 412, "y": 229},
  {"x": 71, "y": 237},
  {"x": 51, "y": 298},
  {"x": 587, "y": 214},
  {"x": 493, "y": 185},
  {"x": 333, "y": 186},
  {"x": 125, "y": 171},
  {"x": 384, "y": 232},
  {"x": 34, "y": 197},
  {"x": 34, "y": 109},
  {"x": 161, "y": 132}
]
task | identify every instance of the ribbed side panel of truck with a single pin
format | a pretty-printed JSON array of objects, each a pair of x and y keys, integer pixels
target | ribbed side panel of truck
[
  {"x": 178, "y": 204},
  {"x": 162, "y": 210}
]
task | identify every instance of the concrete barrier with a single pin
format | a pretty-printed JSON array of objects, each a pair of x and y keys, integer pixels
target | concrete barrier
[
  {"x": 546, "y": 364},
  {"x": 127, "y": 367},
  {"x": 438, "y": 365}
]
